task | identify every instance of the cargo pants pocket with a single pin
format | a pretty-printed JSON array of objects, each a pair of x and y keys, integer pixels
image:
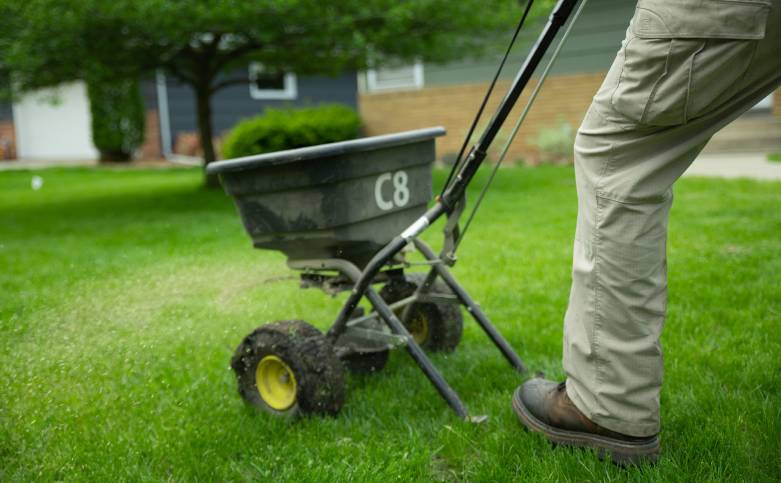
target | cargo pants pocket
[{"x": 669, "y": 77}]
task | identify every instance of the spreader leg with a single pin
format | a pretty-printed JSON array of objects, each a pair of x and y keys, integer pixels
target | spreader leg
[
  {"x": 397, "y": 327},
  {"x": 472, "y": 307},
  {"x": 417, "y": 354}
]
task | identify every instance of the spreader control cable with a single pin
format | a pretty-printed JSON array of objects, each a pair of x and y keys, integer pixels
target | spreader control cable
[{"x": 518, "y": 123}]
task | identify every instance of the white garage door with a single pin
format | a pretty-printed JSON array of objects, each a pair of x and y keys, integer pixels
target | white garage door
[{"x": 54, "y": 124}]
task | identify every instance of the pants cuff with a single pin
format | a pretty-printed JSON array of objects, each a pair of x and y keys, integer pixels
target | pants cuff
[{"x": 638, "y": 430}]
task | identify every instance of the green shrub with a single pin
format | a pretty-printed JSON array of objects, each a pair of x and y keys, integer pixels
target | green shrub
[
  {"x": 555, "y": 143},
  {"x": 280, "y": 129},
  {"x": 117, "y": 118}
]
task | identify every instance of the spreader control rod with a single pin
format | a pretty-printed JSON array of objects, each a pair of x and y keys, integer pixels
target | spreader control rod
[{"x": 458, "y": 185}]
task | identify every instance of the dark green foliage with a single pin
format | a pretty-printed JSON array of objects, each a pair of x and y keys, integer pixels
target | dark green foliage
[
  {"x": 117, "y": 118},
  {"x": 204, "y": 43},
  {"x": 280, "y": 129}
]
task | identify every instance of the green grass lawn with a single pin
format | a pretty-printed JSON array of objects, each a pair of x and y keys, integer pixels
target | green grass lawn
[
  {"x": 774, "y": 157},
  {"x": 124, "y": 293}
]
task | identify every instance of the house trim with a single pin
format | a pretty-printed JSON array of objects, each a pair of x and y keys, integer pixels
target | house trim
[
  {"x": 373, "y": 83},
  {"x": 164, "y": 116},
  {"x": 289, "y": 92}
]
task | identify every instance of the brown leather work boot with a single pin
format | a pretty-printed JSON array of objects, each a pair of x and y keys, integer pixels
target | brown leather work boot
[{"x": 545, "y": 407}]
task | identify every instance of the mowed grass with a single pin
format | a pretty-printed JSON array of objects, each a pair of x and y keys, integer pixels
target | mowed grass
[{"x": 123, "y": 295}]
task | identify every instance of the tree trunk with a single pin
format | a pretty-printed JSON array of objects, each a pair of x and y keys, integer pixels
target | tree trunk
[
  {"x": 203, "y": 100},
  {"x": 114, "y": 156}
]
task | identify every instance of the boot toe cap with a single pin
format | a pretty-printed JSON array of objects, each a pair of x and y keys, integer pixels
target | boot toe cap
[{"x": 533, "y": 395}]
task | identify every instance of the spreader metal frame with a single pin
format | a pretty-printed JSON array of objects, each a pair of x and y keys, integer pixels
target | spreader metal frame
[
  {"x": 350, "y": 335},
  {"x": 332, "y": 233},
  {"x": 448, "y": 204}
]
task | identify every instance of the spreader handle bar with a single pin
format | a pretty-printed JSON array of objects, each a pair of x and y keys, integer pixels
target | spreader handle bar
[
  {"x": 457, "y": 187},
  {"x": 455, "y": 190},
  {"x": 451, "y": 195}
]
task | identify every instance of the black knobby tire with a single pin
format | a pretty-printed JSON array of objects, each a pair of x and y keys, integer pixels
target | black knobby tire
[
  {"x": 318, "y": 372},
  {"x": 366, "y": 362},
  {"x": 444, "y": 322}
]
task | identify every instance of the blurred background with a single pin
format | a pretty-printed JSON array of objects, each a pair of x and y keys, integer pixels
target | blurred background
[{"x": 151, "y": 81}]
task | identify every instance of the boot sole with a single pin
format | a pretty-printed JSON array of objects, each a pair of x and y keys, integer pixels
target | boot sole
[{"x": 620, "y": 452}]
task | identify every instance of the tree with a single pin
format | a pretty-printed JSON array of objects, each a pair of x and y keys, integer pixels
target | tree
[
  {"x": 117, "y": 117},
  {"x": 204, "y": 43},
  {"x": 43, "y": 45}
]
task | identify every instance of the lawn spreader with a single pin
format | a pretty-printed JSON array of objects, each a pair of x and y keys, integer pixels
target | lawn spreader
[{"x": 344, "y": 213}]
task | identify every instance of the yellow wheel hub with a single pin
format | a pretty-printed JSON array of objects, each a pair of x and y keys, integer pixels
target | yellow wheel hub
[
  {"x": 276, "y": 383},
  {"x": 418, "y": 328}
]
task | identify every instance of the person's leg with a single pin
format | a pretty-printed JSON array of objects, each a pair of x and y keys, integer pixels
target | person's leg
[
  {"x": 660, "y": 103},
  {"x": 625, "y": 170},
  {"x": 612, "y": 355}
]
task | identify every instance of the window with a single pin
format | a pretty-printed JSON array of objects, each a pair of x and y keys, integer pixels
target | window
[
  {"x": 268, "y": 84},
  {"x": 395, "y": 78}
]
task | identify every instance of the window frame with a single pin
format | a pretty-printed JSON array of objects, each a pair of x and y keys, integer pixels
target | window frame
[
  {"x": 289, "y": 92},
  {"x": 418, "y": 80}
]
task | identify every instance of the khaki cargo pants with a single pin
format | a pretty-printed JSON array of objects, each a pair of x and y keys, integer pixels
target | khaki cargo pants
[{"x": 685, "y": 69}]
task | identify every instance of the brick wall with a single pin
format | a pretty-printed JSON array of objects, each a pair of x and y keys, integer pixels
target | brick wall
[
  {"x": 7, "y": 140},
  {"x": 564, "y": 97},
  {"x": 151, "y": 149}
]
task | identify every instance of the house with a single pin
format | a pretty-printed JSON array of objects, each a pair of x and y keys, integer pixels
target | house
[
  {"x": 171, "y": 109},
  {"x": 389, "y": 100},
  {"x": 55, "y": 124},
  {"x": 7, "y": 133},
  {"x": 420, "y": 95}
]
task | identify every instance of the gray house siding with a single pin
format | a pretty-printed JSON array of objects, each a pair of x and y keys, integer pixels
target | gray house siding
[
  {"x": 234, "y": 103},
  {"x": 595, "y": 38},
  {"x": 6, "y": 112},
  {"x": 7, "y": 134},
  {"x": 591, "y": 47}
]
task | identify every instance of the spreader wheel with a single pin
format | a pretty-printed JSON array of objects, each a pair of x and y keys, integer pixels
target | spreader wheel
[
  {"x": 288, "y": 368},
  {"x": 436, "y": 327},
  {"x": 366, "y": 362}
]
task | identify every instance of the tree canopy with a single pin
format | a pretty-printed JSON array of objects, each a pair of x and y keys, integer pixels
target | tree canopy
[{"x": 202, "y": 42}]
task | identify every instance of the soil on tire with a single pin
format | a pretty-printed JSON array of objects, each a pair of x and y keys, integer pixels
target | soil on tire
[{"x": 318, "y": 371}]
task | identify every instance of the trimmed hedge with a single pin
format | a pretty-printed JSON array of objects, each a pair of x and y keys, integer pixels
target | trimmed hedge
[
  {"x": 280, "y": 129},
  {"x": 117, "y": 110}
]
